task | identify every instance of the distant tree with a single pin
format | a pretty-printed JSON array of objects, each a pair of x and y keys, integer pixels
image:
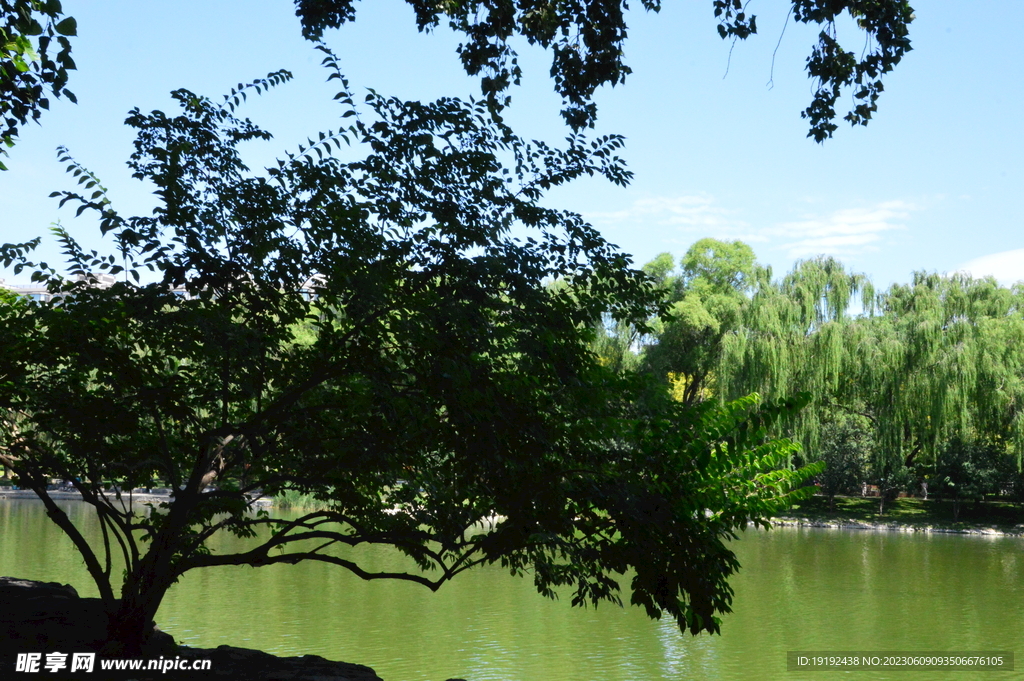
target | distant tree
[
  {"x": 943, "y": 359},
  {"x": 1010, "y": 478},
  {"x": 707, "y": 297},
  {"x": 587, "y": 40},
  {"x": 845, "y": 449},
  {"x": 925, "y": 362},
  {"x": 371, "y": 333},
  {"x": 966, "y": 471},
  {"x": 793, "y": 337},
  {"x": 934, "y": 360},
  {"x": 35, "y": 57},
  {"x": 891, "y": 476}
]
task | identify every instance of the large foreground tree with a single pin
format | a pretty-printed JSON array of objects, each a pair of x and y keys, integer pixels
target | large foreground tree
[{"x": 370, "y": 322}]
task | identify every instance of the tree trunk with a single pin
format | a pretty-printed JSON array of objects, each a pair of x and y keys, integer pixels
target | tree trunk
[{"x": 131, "y": 624}]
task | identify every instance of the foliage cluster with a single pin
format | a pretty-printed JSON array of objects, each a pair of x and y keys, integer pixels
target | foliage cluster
[
  {"x": 35, "y": 57},
  {"x": 586, "y": 41},
  {"x": 846, "y": 449}
]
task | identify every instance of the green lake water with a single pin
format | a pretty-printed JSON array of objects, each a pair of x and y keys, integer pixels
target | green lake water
[{"x": 799, "y": 589}]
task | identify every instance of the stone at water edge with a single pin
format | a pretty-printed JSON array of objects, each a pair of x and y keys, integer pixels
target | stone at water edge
[{"x": 48, "y": 616}]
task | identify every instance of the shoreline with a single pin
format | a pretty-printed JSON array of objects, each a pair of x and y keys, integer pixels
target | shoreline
[
  {"x": 893, "y": 526},
  {"x": 127, "y": 497},
  {"x": 795, "y": 521}
]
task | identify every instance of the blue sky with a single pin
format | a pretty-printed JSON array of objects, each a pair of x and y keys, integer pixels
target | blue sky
[{"x": 933, "y": 183}]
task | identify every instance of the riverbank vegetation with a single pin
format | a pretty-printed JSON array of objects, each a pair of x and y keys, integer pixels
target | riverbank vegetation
[{"x": 916, "y": 390}]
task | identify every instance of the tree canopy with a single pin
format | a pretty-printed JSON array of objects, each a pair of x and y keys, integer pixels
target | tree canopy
[
  {"x": 924, "y": 378},
  {"x": 707, "y": 298},
  {"x": 370, "y": 332},
  {"x": 587, "y": 41},
  {"x": 927, "y": 361}
]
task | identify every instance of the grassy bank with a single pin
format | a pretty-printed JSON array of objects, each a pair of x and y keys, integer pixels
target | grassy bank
[
  {"x": 292, "y": 500},
  {"x": 918, "y": 513}
]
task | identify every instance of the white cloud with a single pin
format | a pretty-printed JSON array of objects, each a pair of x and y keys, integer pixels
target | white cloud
[
  {"x": 1007, "y": 267},
  {"x": 697, "y": 215},
  {"x": 843, "y": 233}
]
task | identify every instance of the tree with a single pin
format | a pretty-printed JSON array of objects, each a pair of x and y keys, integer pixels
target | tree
[
  {"x": 890, "y": 475},
  {"x": 924, "y": 363},
  {"x": 944, "y": 360},
  {"x": 793, "y": 337},
  {"x": 1010, "y": 478},
  {"x": 586, "y": 40},
  {"x": 966, "y": 471},
  {"x": 707, "y": 299},
  {"x": 369, "y": 332},
  {"x": 934, "y": 360},
  {"x": 846, "y": 448},
  {"x": 31, "y": 65}
]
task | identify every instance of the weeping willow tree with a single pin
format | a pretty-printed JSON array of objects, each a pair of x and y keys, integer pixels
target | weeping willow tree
[
  {"x": 939, "y": 358},
  {"x": 917, "y": 366},
  {"x": 944, "y": 358},
  {"x": 794, "y": 336}
]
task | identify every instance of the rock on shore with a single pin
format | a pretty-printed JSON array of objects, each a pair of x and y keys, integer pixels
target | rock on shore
[{"x": 46, "y": 617}]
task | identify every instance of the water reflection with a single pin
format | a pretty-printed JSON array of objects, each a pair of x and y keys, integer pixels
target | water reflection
[{"x": 799, "y": 589}]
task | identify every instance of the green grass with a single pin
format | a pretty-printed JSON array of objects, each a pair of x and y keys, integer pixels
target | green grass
[
  {"x": 908, "y": 511},
  {"x": 291, "y": 499}
]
